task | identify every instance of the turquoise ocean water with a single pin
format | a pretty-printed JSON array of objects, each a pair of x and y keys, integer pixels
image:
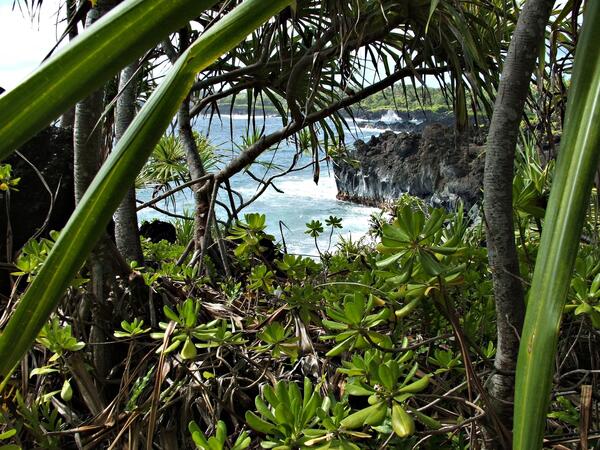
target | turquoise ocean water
[{"x": 300, "y": 199}]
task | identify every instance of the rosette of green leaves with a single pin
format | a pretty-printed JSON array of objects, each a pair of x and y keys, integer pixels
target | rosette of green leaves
[
  {"x": 586, "y": 296},
  {"x": 219, "y": 440},
  {"x": 249, "y": 234},
  {"x": 189, "y": 334},
  {"x": 286, "y": 414},
  {"x": 297, "y": 267},
  {"x": 423, "y": 253},
  {"x": 388, "y": 382},
  {"x": 420, "y": 242},
  {"x": 58, "y": 338},
  {"x": 314, "y": 228},
  {"x": 354, "y": 321},
  {"x": 307, "y": 421},
  {"x": 332, "y": 435},
  {"x": 279, "y": 341},
  {"x": 261, "y": 278},
  {"x": 34, "y": 254},
  {"x": 131, "y": 329}
]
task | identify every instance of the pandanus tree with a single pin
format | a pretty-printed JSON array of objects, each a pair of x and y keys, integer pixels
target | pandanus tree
[
  {"x": 324, "y": 57},
  {"x": 65, "y": 77},
  {"x": 310, "y": 61},
  {"x": 315, "y": 61},
  {"x": 300, "y": 54},
  {"x": 513, "y": 91},
  {"x": 569, "y": 199}
]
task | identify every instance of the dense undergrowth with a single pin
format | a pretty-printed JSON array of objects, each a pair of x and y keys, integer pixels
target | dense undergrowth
[{"x": 385, "y": 342}]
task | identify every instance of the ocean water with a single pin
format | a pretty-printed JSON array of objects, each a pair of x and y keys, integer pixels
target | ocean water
[{"x": 300, "y": 199}]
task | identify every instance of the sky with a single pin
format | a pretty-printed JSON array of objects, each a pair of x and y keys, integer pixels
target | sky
[{"x": 24, "y": 42}]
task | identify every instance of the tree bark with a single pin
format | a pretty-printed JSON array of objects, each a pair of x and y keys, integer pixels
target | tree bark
[
  {"x": 87, "y": 161},
  {"x": 196, "y": 168},
  {"x": 126, "y": 222},
  {"x": 499, "y": 167},
  {"x": 67, "y": 120},
  {"x": 195, "y": 165}
]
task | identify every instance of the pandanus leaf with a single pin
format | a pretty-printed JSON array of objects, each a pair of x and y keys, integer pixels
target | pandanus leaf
[
  {"x": 80, "y": 68},
  {"x": 118, "y": 172},
  {"x": 565, "y": 215}
]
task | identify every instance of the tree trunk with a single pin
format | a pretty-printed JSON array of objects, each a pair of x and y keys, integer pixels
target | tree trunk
[
  {"x": 196, "y": 168},
  {"x": 87, "y": 161},
  {"x": 194, "y": 163},
  {"x": 87, "y": 142},
  {"x": 67, "y": 120},
  {"x": 499, "y": 166},
  {"x": 126, "y": 223}
]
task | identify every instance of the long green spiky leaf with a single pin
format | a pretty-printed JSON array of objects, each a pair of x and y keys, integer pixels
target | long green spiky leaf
[
  {"x": 119, "y": 171},
  {"x": 576, "y": 165},
  {"x": 85, "y": 64}
]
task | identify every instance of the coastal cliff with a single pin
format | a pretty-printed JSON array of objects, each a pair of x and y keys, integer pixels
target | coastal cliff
[{"x": 429, "y": 165}]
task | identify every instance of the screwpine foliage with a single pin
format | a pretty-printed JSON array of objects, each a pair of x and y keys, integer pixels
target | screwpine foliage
[{"x": 233, "y": 343}]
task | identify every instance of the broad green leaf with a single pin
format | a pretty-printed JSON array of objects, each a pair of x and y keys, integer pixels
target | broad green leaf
[
  {"x": 262, "y": 408},
  {"x": 8, "y": 434},
  {"x": 390, "y": 260},
  {"x": 358, "y": 390},
  {"x": 258, "y": 424},
  {"x": 432, "y": 8},
  {"x": 385, "y": 375},
  {"x": 340, "y": 348},
  {"x": 371, "y": 415},
  {"x": 402, "y": 423},
  {"x": 330, "y": 324},
  {"x": 86, "y": 63},
  {"x": 169, "y": 314},
  {"x": 416, "y": 386},
  {"x": 221, "y": 434},
  {"x": 42, "y": 371}
]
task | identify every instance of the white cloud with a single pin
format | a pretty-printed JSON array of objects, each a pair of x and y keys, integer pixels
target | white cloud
[{"x": 25, "y": 42}]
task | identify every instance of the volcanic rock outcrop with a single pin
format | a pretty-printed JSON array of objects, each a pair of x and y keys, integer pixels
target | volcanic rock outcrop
[{"x": 430, "y": 165}]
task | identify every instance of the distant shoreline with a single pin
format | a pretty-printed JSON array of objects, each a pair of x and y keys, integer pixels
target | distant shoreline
[{"x": 379, "y": 119}]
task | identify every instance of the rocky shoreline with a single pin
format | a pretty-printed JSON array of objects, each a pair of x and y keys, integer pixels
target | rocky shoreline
[
  {"x": 383, "y": 119},
  {"x": 414, "y": 121},
  {"x": 429, "y": 164}
]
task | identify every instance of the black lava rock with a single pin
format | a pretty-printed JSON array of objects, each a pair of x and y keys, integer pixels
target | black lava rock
[{"x": 157, "y": 231}]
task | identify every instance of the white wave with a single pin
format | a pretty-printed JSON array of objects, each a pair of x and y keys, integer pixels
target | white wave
[
  {"x": 235, "y": 116},
  {"x": 326, "y": 189},
  {"x": 373, "y": 130},
  {"x": 294, "y": 187},
  {"x": 390, "y": 117}
]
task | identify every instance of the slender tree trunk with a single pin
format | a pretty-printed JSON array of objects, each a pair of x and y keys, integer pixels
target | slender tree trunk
[
  {"x": 195, "y": 165},
  {"x": 499, "y": 167},
  {"x": 126, "y": 224},
  {"x": 196, "y": 168},
  {"x": 87, "y": 142},
  {"x": 87, "y": 161},
  {"x": 68, "y": 118}
]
